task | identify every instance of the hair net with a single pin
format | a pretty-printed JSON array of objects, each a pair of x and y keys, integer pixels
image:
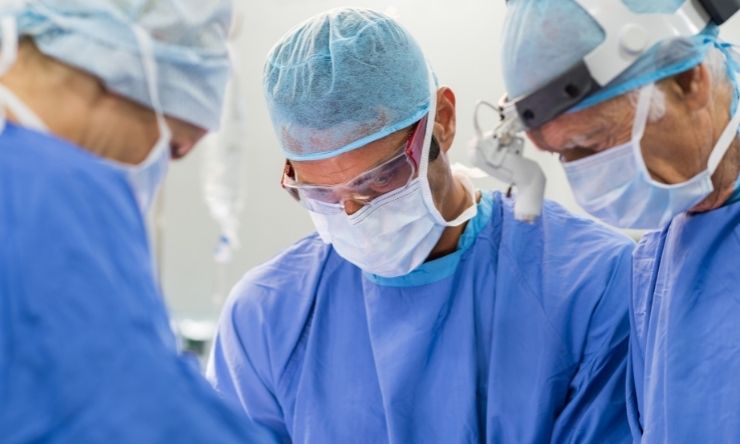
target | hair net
[
  {"x": 543, "y": 38},
  {"x": 343, "y": 79},
  {"x": 188, "y": 38}
]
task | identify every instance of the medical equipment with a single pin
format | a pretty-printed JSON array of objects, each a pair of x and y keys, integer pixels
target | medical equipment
[
  {"x": 500, "y": 154},
  {"x": 222, "y": 171},
  {"x": 629, "y": 35}
]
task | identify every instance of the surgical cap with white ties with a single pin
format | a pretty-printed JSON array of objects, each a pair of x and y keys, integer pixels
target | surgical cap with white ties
[{"x": 189, "y": 41}]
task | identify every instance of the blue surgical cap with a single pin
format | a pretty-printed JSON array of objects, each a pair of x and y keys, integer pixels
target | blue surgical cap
[
  {"x": 343, "y": 79},
  {"x": 189, "y": 39},
  {"x": 542, "y": 39}
]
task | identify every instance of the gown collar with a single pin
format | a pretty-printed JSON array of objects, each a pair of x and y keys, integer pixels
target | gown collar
[{"x": 443, "y": 267}]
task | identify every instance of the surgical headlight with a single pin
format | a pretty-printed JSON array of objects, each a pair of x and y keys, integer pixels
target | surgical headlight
[
  {"x": 499, "y": 153},
  {"x": 628, "y": 36}
]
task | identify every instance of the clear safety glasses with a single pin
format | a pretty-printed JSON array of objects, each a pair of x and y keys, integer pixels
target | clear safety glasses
[{"x": 390, "y": 175}]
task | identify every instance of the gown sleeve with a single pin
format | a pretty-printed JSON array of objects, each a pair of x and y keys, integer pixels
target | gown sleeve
[
  {"x": 239, "y": 363},
  {"x": 596, "y": 410},
  {"x": 86, "y": 354}
]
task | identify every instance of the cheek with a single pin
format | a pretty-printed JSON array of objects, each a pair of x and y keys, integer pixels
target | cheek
[{"x": 675, "y": 151}]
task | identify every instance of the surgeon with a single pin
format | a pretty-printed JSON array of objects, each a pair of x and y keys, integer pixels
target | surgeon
[
  {"x": 95, "y": 98},
  {"x": 650, "y": 142},
  {"x": 420, "y": 311}
]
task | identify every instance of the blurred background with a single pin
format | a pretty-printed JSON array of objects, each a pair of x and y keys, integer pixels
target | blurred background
[{"x": 460, "y": 39}]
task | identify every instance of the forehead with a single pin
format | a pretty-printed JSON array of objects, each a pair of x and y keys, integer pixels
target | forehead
[
  {"x": 346, "y": 166},
  {"x": 585, "y": 127}
]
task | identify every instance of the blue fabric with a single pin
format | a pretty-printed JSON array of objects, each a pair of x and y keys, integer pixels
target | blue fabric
[
  {"x": 684, "y": 362},
  {"x": 343, "y": 79},
  {"x": 525, "y": 341},
  {"x": 736, "y": 195},
  {"x": 86, "y": 354}
]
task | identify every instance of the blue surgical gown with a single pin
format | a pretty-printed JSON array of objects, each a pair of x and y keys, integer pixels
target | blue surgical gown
[
  {"x": 520, "y": 336},
  {"x": 86, "y": 354},
  {"x": 684, "y": 378}
]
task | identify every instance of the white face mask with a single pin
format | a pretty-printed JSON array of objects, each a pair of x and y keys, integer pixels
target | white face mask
[
  {"x": 147, "y": 177},
  {"x": 616, "y": 187},
  {"x": 388, "y": 237},
  {"x": 394, "y": 234}
]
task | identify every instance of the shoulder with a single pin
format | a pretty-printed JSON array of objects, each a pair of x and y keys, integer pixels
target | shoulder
[
  {"x": 560, "y": 234},
  {"x": 269, "y": 310},
  {"x": 25, "y": 148},
  {"x": 563, "y": 224},
  {"x": 286, "y": 275},
  {"x": 282, "y": 289},
  {"x": 47, "y": 180},
  {"x": 73, "y": 229}
]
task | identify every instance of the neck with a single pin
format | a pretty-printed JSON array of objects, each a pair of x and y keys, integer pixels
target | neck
[
  {"x": 724, "y": 180},
  {"x": 75, "y": 106},
  {"x": 458, "y": 201}
]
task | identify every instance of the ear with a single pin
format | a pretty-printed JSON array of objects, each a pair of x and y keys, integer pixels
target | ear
[
  {"x": 691, "y": 88},
  {"x": 446, "y": 118}
]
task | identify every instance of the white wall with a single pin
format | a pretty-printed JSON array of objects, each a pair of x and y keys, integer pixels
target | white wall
[{"x": 460, "y": 38}]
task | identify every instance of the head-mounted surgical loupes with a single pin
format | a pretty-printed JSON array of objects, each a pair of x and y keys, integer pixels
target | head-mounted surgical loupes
[
  {"x": 629, "y": 35},
  {"x": 499, "y": 153}
]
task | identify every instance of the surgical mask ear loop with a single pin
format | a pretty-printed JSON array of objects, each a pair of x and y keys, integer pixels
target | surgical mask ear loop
[
  {"x": 725, "y": 140},
  {"x": 150, "y": 72},
  {"x": 426, "y": 147},
  {"x": 642, "y": 111},
  {"x": 471, "y": 211},
  {"x": 8, "y": 57}
]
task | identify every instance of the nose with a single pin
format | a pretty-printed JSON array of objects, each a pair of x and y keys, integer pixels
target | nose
[
  {"x": 185, "y": 137},
  {"x": 351, "y": 206}
]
